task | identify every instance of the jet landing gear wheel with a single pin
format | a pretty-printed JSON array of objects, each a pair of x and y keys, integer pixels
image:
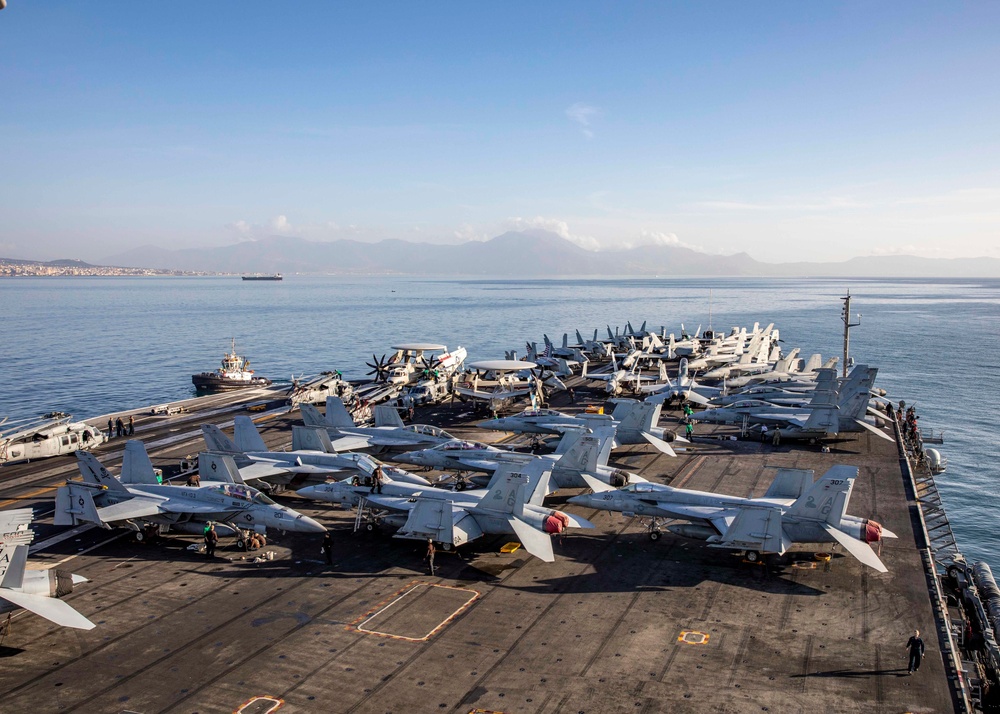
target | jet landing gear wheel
[
  {"x": 139, "y": 537},
  {"x": 752, "y": 556},
  {"x": 654, "y": 535},
  {"x": 460, "y": 485}
]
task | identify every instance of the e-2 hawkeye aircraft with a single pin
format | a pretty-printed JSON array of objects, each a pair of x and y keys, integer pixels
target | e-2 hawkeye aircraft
[
  {"x": 33, "y": 590},
  {"x": 793, "y": 510},
  {"x": 139, "y": 499}
]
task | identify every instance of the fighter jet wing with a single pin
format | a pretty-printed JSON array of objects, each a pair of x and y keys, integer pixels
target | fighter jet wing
[
  {"x": 50, "y": 608},
  {"x": 138, "y": 507},
  {"x": 350, "y": 443},
  {"x": 396, "y": 503},
  {"x": 756, "y": 528},
  {"x": 478, "y": 464}
]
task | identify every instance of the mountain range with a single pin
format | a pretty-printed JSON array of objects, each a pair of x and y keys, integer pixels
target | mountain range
[{"x": 533, "y": 254}]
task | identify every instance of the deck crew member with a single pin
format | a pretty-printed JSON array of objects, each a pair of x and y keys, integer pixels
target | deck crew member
[
  {"x": 916, "y": 647},
  {"x": 131, "y": 424},
  {"x": 211, "y": 538},
  {"x": 377, "y": 480},
  {"x": 327, "y": 547},
  {"x": 430, "y": 555}
]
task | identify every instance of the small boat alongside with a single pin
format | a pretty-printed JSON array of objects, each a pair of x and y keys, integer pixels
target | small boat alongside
[{"x": 235, "y": 373}]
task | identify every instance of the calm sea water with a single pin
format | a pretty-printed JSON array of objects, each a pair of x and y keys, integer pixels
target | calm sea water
[{"x": 92, "y": 346}]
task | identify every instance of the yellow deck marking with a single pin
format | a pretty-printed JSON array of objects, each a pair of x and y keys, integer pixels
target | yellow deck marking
[
  {"x": 273, "y": 701},
  {"x": 396, "y": 597},
  {"x": 692, "y": 637}
]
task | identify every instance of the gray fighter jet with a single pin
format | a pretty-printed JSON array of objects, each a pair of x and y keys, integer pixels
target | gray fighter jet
[
  {"x": 828, "y": 413},
  {"x": 794, "y": 510},
  {"x": 634, "y": 422},
  {"x": 579, "y": 452},
  {"x": 511, "y": 505},
  {"x": 33, "y": 590},
  {"x": 312, "y": 458},
  {"x": 138, "y": 499},
  {"x": 388, "y": 433}
]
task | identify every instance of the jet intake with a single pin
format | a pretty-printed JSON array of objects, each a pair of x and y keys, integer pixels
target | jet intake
[{"x": 691, "y": 530}]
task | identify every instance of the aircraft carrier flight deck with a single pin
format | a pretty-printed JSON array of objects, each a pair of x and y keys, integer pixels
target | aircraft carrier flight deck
[{"x": 618, "y": 623}]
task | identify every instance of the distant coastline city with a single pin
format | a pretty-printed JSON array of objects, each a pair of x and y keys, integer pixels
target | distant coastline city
[{"x": 10, "y": 268}]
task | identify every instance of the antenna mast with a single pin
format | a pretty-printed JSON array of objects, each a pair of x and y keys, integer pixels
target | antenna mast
[{"x": 846, "y": 317}]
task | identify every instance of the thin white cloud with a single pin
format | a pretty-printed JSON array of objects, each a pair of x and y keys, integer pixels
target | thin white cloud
[
  {"x": 582, "y": 115},
  {"x": 806, "y": 206},
  {"x": 552, "y": 225}
]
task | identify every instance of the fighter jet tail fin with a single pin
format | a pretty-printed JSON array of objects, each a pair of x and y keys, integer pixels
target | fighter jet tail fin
[
  {"x": 506, "y": 493},
  {"x": 247, "y": 436},
  {"x": 218, "y": 467},
  {"x": 387, "y": 416},
  {"x": 790, "y": 483},
  {"x": 337, "y": 415},
  {"x": 309, "y": 438},
  {"x": 856, "y": 392},
  {"x": 637, "y": 416},
  {"x": 311, "y": 415},
  {"x": 136, "y": 466},
  {"x": 827, "y": 499},
  {"x": 582, "y": 454},
  {"x": 94, "y": 473},
  {"x": 215, "y": 440},
  {"x": 75, "y": 505},
  {"x": 13, "y": 561}
]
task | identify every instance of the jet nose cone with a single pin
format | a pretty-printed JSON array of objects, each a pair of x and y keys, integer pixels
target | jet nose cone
[
  {"x": 488, "y": 424},
  {"x": 308, "y": 492},
  {"x": 305, "y": 524},
  {"x": 584, "y": 499}
]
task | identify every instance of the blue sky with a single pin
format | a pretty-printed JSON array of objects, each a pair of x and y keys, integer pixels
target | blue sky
[{"x": 791, "y": 131}]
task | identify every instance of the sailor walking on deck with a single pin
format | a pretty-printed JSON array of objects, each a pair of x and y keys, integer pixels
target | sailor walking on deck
[
  {"x": 916, "y": 647},
  {"x": 211, "y": 538},
  {"x": 327, "y": 547},
  {"x": 377, "y": 480},
  {"x": 430, "y": 555}
]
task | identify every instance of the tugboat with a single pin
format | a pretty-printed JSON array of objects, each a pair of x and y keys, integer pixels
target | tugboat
[{"x": 234, "y": 374}]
